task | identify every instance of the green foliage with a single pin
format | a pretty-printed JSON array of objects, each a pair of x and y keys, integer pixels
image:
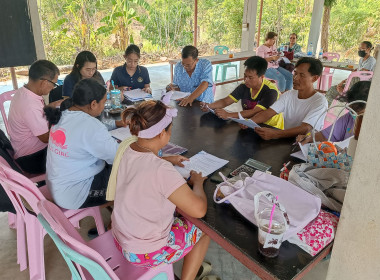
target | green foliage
[{"x": 169, "y": 24}]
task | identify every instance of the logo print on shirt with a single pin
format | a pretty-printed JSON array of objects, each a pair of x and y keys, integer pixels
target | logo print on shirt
[
  {"x": 140, "y": 79},
  {"x": 58, "y": 138}
]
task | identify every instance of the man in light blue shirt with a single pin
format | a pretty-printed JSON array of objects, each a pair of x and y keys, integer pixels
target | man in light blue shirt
[{"x": 193, "y": 75}]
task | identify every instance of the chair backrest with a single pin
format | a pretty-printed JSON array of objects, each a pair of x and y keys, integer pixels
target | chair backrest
[
  {"x": 362, "y": 75},
  {"x": 220, "y": 49},
  {"x": 330, "y": 56},
  {"x": 71, "y": 256},
  {"x": 18, "y": 187},
  {"x": 4, "y": 97},
  {"x": 66, "y": 231}
]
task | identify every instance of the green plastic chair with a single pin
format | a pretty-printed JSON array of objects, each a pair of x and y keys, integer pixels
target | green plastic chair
[
  {"x": 71, "y": 256},
  {"x": 224, "y": 66}
]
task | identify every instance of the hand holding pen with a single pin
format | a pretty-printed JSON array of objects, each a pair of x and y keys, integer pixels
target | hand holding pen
[{"x": 303, "y": 139}]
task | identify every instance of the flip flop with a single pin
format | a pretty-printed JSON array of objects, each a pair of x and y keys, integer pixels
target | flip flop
[
  {"x": 211, "y": 277},
  {"x": 203, "y": 270}
]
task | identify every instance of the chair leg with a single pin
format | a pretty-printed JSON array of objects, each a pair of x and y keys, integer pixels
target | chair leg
[
  {"x": 21, "y": 243},
  {"x": 98, "y": 220},
  {"x": 35, "y": 241},
  {"x": 216, "y": 72},
  {"x": 236, "y": 72},
  {"x": 224, "y": 73}
]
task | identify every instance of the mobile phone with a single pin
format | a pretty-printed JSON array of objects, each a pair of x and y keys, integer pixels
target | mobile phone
[{"x": 215, "y": 177}]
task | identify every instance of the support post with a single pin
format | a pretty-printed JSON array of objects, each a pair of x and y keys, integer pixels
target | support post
[
  {"x": 315, "y": 26},
  {"x": 14, "y": 78},
  {"x": 195, "y": 22},
  {"x": 357, "y": 243},
  {"x": 259, "y": 27}
]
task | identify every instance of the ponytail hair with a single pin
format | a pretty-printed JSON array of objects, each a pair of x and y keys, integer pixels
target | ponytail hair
[
  {"x": 145, "y": 115},
  {"x": 85, "y": 91}
]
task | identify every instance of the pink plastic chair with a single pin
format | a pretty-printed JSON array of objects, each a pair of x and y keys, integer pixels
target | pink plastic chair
[
  {"x": 272, "y": 81},
  {"x": 101, "y": 250},
  {"x": 332, "y": 114},
  {"x": 19, "y": 189},
  {"x": 324, "y": 82},
  {"x": 4, "y": 97}
]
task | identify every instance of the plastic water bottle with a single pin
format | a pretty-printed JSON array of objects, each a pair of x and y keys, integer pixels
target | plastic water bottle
[
  {"x": 115, "y": 99},
  {"x": 320, "y": 56},
  {"x": 107, "y": 105},
  {"x": 310, "y": 50}
]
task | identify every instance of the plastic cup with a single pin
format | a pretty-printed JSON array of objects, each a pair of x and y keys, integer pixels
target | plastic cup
[
  {"x": 231, "y": 55},
  {"x": 270, "y": 242}
]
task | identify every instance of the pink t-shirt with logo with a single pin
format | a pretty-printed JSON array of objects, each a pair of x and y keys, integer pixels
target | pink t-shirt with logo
[
  {"x": 265, "y": 52},
  {"x": 143, "y": 214},
  {"x": 27, "y": 121}
]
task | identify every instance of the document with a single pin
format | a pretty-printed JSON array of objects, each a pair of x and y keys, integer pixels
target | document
[
  {"x": 121, "y": 133},
  {"x": 201, "y": 162},
  {"x": 247, "y": 122},
  {"x": 175, "y": 95}
]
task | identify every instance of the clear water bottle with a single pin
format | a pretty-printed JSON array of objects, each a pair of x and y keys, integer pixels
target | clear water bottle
[
  {"x": 107, "y": 105},
  {"x": 320, "y": 56},
  {"x": 310, "y": 50},
  {"x": 115, "y": 99}
]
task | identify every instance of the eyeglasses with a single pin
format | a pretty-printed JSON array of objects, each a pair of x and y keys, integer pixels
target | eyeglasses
[
  {"x": 55, "y": 84},
  {"x": 188, "y": 66}
]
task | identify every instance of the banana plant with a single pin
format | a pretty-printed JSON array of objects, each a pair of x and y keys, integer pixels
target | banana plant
[{"x": 120, "y": 19}]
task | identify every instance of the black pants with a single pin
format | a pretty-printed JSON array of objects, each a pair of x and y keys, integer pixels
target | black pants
[
  {"x": 34, "y": 163},
  {"x": 98, "y": 190}
]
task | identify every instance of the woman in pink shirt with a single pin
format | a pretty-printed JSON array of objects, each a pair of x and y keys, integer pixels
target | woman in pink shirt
[
  {"x": 148, "y": 189},
  {"x": 268, "y": 51}
]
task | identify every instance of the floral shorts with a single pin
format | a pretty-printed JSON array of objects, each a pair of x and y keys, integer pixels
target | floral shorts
[{"x": 182, "y": 237}]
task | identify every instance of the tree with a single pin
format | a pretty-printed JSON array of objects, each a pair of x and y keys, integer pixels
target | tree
[{"x": 325, "y": 24}]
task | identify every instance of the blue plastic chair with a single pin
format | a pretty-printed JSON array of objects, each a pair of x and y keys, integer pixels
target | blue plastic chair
[{"x": 224, "y": 66}]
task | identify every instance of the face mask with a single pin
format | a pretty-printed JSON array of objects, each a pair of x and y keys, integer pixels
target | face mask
[{"x": 361, "y": 53}]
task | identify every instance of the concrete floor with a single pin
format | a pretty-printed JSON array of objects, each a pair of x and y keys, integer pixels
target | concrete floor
[{"x": 224, "y": 265}]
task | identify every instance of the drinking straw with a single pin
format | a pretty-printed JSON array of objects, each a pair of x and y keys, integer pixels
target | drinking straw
[
  {"x": 113, "y": 84},
  {"x": 271, "y": 215}
]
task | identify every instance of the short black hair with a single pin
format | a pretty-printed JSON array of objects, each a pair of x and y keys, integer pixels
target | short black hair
[
  {"x": 315, "y": 65},
  {"x": 190, "y": 51},
  {"x": 43, "y": 69},
  {"x": 132, "y": 49},
  {"x": 258, "y": 64},
  {"x": 294, "y": 35},
  {"x": 80, "y": 61},
  {"x": 359, "y": 91},
  {"x": 270, "y": 35},
  {"x": 368, "y": 44}
]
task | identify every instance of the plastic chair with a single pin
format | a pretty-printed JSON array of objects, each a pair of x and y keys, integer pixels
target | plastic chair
[
  {"x": 100, "y": 257},
  {"x": 224, "y": 66},
  {"x": 324, "y": 82},
  {"x": 332, "y": 114},
  {"x": 4, "y": 97},
  {"x": 25, "y": 196},
  {"x": 273, "y": 81}
]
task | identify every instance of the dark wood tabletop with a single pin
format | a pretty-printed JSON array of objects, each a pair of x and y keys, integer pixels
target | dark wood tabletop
[{"x": 196, "y": 131}]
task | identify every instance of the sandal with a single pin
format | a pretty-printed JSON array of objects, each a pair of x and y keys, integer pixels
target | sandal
[
  {"x": 203, "y": 270},
  {"x": 211, "y": 277}
]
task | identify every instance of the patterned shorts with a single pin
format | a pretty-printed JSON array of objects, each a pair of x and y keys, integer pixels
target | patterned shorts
[{"x": 182, "y": 237}]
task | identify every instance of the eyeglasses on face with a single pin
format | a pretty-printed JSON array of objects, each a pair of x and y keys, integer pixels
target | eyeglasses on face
[{"x": 55, "y": 84}]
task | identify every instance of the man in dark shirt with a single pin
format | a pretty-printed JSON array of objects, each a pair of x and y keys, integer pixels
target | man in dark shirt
[{"x": 256, "y": 94}]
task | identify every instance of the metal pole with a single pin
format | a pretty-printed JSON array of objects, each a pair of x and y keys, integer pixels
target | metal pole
[
  {"x": 195, "y": 22},
  {"x": 14, "y": 78},
  {"x": 258, "y": 31}
]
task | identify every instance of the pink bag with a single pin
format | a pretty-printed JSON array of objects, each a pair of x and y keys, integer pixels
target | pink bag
[
  {"x": 301, "y": 206},
  {"x": 317, "y": 234}
]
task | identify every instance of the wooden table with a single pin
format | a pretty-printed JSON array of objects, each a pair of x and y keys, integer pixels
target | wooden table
[
  {"x": 198, "y": 131},
  {"x": 218, "y": 59}
]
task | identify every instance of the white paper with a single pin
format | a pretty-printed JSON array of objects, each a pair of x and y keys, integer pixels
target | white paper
[
  {"x": 136, "y": 94},
  {"x": 178, "y": 94},
  {"x": 211, "y": 110},
  {"x": 302, "y": 154},
  {"x": 285, "y": 59},
  {"x": 343, "y": 144},
  {"x": 250, "y": 123},
  {"x": 121, "y": 133},
  {"x": 201, "y": 162}
]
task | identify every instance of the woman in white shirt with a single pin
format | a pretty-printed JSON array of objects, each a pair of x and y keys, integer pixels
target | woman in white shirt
[{"x": 80, "y": 149}]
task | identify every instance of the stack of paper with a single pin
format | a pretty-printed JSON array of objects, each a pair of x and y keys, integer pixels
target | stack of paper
[
  {"x": 121, "y": 133},
  {"x": 247, "y": 122},
  {"x": 175, "y": 95},
  {"x": 136, "y": 95},
  {"x": 173, "y": 149},
  {"x": 201, "y": 162}
]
